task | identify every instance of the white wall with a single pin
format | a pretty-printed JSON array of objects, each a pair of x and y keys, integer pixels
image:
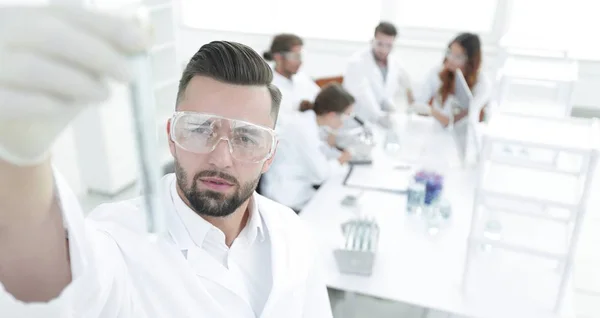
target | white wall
[
  {"x": 328, "y": 58},
  {"x": 419, "y": 50}
]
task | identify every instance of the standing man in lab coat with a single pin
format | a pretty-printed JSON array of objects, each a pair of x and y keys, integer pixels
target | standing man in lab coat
[
  {"x": 227, "y": 251},
  {"x": 295, "y": 85},
  {"x": 375, "y": 77}
]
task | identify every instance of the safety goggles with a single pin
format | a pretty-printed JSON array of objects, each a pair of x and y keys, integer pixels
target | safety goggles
[
  {"x": 460, "y": 59},
  {"x": 201, "y": 133},
  {"x": 382, "y": 45},
  {"x": 294, "y": 56},
  {"x": 346, "y": 116}
]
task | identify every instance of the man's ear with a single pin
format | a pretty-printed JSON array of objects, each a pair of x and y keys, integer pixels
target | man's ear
[
  {"x": 268, "y": 162},
  {"x": 277, "y": 57},
  {"x": 171, "y": 143}
]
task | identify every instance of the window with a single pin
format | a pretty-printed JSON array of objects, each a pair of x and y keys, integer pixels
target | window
[
  {"x": 330, "y": 19},
  {"x": 569, "y": 26},
  {"x": 543, "y": 32},
  {"x": 323, "y": 19},
  {"x": 585, "y": 29},
  {"x": 250, "y": 16},
  {"x": 457, "y": 15}
]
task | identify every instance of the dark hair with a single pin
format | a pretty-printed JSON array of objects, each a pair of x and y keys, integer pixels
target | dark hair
[
  {"x": 231, "y": 63},
  {"x": 332, "y": 98},
  {"x": 386, "y": 28},
  {"x": 282, "y": 43},
  {"x": 472, "y": 45}
]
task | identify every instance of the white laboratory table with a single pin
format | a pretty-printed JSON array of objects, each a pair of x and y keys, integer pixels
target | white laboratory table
[{"x": 412, "y": 266}]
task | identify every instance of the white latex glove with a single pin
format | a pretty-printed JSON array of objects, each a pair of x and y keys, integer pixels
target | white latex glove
[
  {"x": 421, "y": 108},
  {"x": 384, "y": 121},
  {"x": 388, "y": 106},
  {"x": 53, "y": 62}
]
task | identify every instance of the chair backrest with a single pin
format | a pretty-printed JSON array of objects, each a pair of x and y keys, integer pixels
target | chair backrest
[{"x": 326, "y": 80}]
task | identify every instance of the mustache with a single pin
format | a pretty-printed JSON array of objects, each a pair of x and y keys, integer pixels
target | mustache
[{"x": 216, "y": 174}]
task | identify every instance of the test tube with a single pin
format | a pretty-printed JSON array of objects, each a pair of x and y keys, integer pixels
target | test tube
[{"x": 144, "y": 117}]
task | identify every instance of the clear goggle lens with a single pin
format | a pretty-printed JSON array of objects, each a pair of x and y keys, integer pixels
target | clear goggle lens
[
  {"x": 201, "y": 133},
  {"x": 456, "y": 58},
  {"x": 382, "y": 45},
  {"x": 294, "y": 56}
]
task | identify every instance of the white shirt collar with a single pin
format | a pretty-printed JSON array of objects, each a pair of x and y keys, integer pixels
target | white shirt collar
[
  {"x": 199, "y": 229},
  {"x": 278, "y": 78}
]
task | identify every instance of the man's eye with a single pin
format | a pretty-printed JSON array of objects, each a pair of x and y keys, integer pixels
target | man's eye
[
  {"x": 246, "y": 140},
  {"x": 202, "y": 131}
]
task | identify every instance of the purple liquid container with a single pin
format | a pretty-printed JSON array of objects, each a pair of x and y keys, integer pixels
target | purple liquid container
[{"x": 434, "y": 184}]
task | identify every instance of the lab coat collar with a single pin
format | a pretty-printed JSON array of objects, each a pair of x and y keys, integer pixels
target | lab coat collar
[
  {"x": 73, "y": 221},
  {"x": 311, "y": 125},
  {"x": 289, "y": 256},
  {"x": 82, "y": 258},
  {"x": 186, "y": 238},
  {"x": 254, "y": 228},
  {"x": 278, "y": 78}
]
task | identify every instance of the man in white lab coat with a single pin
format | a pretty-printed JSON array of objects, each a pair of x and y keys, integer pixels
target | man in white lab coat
[
  {"x": 295, "y": 85},
  {"x": 375, "y": 77},
  {"x": 227, "y": 252}
]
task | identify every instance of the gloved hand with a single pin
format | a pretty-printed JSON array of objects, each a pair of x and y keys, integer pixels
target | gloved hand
[
  {"x": 420, "y": 108},
  {"x": 384, "y": 121},
  {"x": 345, "y": 157},
  {"x": 53, "y": 62},
  {"x": 388, "y": 106}
]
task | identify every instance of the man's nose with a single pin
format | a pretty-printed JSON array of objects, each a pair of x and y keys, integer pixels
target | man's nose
[{"x": 221, "y": 157}]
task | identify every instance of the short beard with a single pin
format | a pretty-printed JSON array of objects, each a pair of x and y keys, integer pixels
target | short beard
[{"x": 211, "y": 203}]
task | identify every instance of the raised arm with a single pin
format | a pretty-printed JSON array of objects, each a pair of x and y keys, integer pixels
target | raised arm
[
  {"x": 33, "y": 247},
  {"x": 51, "y": 68}
]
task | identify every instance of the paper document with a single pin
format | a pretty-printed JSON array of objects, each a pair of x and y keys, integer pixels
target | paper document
[{"x": 379, "y": 179}]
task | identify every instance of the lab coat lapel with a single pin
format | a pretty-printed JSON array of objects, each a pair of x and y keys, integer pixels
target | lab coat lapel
[
  {"x": 91, "y": 303},
  {"x": 279, "y": 262},
  {"x": 375, "y": 74},
  {"x": 201, "y": 263},
  {"x": 206, "y": 267},
  {"x": 392, "y": 84},
  {"x": 287, "y": 257}
]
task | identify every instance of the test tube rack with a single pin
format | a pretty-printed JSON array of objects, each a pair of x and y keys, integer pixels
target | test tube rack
[
  {"x": 357, "y": 255},
  {"x": 533, "y": 183}
]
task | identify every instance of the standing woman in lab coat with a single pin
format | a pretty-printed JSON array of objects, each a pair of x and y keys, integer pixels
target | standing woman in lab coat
[
  {"x": 295, "y": 86},
  {"x": 301, "y": 163},
  {"x": 375, "y": 77},
  {"x": 436, "y": 97}
]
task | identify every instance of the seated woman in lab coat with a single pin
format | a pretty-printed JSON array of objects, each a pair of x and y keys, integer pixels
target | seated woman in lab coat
[
  {"x": 295, "y": 86},
  {"x": 301, "y": 163},
  {"x": 436, "y": 95}
]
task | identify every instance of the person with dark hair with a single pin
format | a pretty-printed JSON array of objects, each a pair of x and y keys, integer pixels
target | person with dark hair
[
  {"x": 226, "y": 251},
  {"x": 436, "y": 96},
  {"x": 295, "y": 86},
  {"x": 301, "y": 163},
  {"x": 222, "y": 139},
  {"x": 376, "y": 78}
]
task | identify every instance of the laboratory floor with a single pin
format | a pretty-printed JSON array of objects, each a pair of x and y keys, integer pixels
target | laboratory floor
[{"x": 362, "y": 306}]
